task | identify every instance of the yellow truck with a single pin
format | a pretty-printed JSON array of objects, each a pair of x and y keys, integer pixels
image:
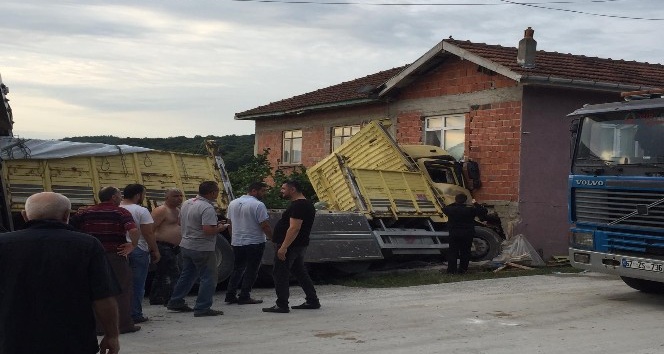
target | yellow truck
[
  {"x": 79, "y": 170},
  {"x": 400, "y": 191}
]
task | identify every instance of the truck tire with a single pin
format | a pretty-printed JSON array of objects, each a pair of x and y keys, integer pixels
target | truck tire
[
  {"x": 643, "y": 285},
  {"x": 486, "y": 244},
  {"x": 225, "y": 259}
]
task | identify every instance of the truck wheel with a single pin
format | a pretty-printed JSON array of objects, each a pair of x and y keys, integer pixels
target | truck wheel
[
  {"x": 486, "y": 244},
  {"x": 225, "y": 259},
  {"x": 646, "y": 286}
]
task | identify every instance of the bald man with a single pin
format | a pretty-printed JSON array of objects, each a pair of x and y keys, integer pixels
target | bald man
[{"x": 54, "y": 281}]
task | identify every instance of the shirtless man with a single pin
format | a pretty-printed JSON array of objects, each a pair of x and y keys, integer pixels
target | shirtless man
[{"x": 167, "y": 231}]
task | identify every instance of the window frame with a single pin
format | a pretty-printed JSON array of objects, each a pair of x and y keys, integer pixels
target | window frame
[
  {"x": 343, "y": 137},
  {"x": 444, "y": 128},
  {"x": 287, "y": 154}
]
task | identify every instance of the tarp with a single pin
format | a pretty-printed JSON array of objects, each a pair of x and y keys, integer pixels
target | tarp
[{"x": 12, "y": 148}]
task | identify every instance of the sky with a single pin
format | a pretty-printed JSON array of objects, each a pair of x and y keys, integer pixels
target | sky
[{"x": 184, "y": 67}]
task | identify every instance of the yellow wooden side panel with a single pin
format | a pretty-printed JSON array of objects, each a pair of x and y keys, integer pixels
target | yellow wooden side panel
[
  {"x": 80, "y": 178},
  {"x": 331, "y": 185},
  {"x": 396, "y": 193},
  {"x": 117, "y": 171},
  {"x": 372, "y": 148}
]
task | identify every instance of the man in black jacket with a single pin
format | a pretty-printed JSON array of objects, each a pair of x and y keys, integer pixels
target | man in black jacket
[
  {"x": 54, "y": 281},
  {"x": 461, "y": 224}
]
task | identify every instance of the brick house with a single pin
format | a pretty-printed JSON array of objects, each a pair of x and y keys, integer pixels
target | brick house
[{"x": 502, "y": 107}]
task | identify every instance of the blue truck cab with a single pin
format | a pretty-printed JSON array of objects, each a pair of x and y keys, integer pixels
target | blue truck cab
[{"x": 616, "y": 190}]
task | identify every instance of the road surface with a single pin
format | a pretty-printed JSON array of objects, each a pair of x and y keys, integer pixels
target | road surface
[{"x": 563, "y": 313}]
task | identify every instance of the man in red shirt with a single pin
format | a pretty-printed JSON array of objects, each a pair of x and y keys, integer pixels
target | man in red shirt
[{"x": 110, "y": 223}]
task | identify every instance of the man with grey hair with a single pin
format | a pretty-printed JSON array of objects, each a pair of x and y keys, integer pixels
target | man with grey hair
[{"x": 54, "y": 281}]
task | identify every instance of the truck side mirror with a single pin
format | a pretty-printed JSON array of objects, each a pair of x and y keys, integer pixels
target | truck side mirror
[{"x": 471, "y": 171}]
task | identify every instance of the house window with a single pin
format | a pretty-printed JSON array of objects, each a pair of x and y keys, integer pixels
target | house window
[
  {"x": 447, "y": 132},
  {"x": 341, "y": 134},
  {"x": 292, "y": 147}
]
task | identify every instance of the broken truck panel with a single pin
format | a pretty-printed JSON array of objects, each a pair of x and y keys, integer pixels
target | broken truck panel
[{"x": 400, "y": 190}]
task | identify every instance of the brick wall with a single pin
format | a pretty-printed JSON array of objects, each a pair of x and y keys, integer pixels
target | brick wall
[
  {"x": 493, "y": 139},
  {"x": 455, "y": 76},
  {"x": 409, "y": 127},
  {"x": 316, "y": 130}
]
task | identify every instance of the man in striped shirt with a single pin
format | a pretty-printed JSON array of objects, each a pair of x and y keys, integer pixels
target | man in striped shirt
[{"x": 110, "y": 223}]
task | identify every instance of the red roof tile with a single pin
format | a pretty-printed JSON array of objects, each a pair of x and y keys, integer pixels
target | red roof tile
[
  {"x": 548, "y": 64},
  {"x": 570, "y": 66},
  {"x": 346, "y": 91}
]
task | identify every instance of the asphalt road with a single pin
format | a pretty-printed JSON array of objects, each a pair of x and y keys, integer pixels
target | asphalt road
[{"x": 565, "y": 313}]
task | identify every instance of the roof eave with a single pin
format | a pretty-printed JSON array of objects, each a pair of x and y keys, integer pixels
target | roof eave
[
  {"x": 579, "y": 83},
  {"x": 306, "y": 109}
]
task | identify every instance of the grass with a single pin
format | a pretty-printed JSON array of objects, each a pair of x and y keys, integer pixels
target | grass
[{"x": 413, "y": 277}]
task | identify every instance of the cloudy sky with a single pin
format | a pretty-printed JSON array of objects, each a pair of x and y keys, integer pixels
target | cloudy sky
[{"x": 185, "y": 67}]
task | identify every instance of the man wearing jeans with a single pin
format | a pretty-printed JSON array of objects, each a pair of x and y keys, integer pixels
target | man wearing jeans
[
  {"x": 249, "y": 227},
  {"x": 291, "y": 238},
  {"x": 199, "y": 227},
  {"x": 140, "y": 257}
]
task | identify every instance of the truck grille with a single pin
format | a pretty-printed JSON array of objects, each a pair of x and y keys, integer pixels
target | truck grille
[
  {"x": 603, "y": 207},
  {"x": 621, "y": 227}
]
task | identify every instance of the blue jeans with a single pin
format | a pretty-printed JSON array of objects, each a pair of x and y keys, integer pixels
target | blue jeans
[
  {"x": 245, "y": 270},
  {"x": 196, "y": 265},
  {"x": 139, "y": 262}
]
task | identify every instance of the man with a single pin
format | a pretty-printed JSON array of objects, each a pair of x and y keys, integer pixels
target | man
[
  {"x": 291, "y": 238},
  {"x": 139, "y": 258},
  {"x": 461, "y": 224},
  {"x": 249, "y": 228},
  {"x": 110, "y": 224},
  {"x": 54, "y": 281},
  {"x": 199, "y": 228},
  {"x": 167, "y": 232}
]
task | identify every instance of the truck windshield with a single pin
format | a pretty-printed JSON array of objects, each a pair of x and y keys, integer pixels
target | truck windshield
[{"x": 621, "y": 143}]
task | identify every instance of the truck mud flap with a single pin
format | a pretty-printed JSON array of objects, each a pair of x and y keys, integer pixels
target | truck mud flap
[{"x": 335, "y": 237}]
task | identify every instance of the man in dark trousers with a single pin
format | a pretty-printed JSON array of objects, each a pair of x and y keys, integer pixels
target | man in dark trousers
[
  {"x": 461, "y": 224},
  {"x": 110, "y": 224},
  {"x": 54, "y": 281},
  {"x": 291, "y": 238}
]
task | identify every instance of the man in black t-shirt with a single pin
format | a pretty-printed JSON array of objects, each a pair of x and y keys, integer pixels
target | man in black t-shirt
[
  {"x": 54, "y": 281},
  {"x": 291, "y": 238}
]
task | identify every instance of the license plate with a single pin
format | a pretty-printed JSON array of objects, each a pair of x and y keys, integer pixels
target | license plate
[{"x": 641, "y": 265}]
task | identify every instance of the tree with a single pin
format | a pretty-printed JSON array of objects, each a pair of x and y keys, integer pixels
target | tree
[{"x": 259, "y": 169}]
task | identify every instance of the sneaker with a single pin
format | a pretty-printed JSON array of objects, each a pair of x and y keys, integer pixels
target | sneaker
[
  {"x": 249, "y": 301},
  {"x": 208, "y": 312},
  {"x": 141, "y": 319},
  {"x": 307, "y": 306},
  {"x": 130, "y": 329},
  {"x": 276, "y": 309},
  {"x": 231, "y": 300},
  {"x": 183, "y": 308}
]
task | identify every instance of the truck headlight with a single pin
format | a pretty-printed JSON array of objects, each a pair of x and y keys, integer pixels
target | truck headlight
[{"x": 582, "y": 239}]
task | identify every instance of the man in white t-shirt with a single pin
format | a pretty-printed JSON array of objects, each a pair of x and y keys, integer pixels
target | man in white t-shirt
[
  {"x": 249, "y": 228},
  {"x": 139, "y": 258}
]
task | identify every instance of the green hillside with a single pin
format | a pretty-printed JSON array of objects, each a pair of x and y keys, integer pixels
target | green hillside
[{"x": 236, "y": 149}]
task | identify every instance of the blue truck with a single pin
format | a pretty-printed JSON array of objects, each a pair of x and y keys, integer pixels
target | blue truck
[{"x": 616, "y": 189}]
